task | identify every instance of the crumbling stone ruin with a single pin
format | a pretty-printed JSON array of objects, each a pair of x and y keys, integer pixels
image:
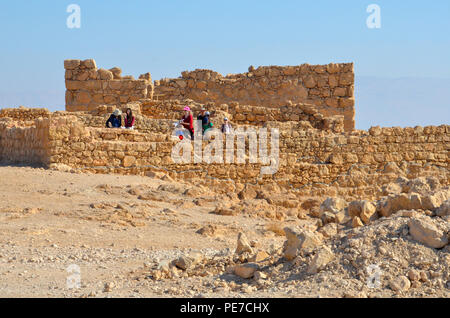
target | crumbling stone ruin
[
  {"x": 345, "y": 204},
  {"x": 320, "y": 152},
  {"x": 330, "y": 88}
]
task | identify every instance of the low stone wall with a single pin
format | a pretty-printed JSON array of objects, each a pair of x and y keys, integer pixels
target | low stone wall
[
  {"x": 244, "y": 114},
  {"x": 315, "y": 161},
  {"x": 24, "y": 114},
  {"x": 26, "y": 143}
]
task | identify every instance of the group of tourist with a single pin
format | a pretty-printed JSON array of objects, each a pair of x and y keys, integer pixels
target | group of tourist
[
  {"x": 115, "y": 120},
  {"x": 188, "y": 121}
]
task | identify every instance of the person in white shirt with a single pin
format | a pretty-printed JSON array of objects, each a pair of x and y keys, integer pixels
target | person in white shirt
[{"x": 226, "y": 126}]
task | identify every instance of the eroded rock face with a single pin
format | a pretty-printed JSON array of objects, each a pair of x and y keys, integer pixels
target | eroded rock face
[{"x": 427, "y": 232}]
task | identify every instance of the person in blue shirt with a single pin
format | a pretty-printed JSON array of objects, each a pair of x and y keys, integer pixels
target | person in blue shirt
[{"x": 115, "y": 120}]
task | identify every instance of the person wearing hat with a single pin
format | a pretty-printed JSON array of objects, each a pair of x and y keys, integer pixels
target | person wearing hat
[
  {"x": 202, "y": 116},
  {"x": 226, "y": 126},
  {"x": 202, "y": 113},
  {"x": 206, "y": 123},
  {"x": 188, "y": 121},
  {"x": 115, "y": 120}
]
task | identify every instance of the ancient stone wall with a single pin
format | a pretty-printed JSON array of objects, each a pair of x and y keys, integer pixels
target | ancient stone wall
[
  {"x": 24, "y": 143},
  {"x": 353, "y": 164},
  {"x": 328, "y": 87},
  {"x": 244, "y": 114},
  {"x": 24, "y": 114},
  {"x": 88, "y": 87}
]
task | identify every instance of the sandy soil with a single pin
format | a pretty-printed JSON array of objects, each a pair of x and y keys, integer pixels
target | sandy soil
[
  {"x": 50, "y": 220},
  {"x": 119, "y": 230}
]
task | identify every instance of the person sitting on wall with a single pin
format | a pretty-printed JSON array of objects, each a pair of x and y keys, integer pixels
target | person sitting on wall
[
  {"x": 206, "y": 123},
  {"x": 226, "y": 126},
  {"x": 202, "y": 114},
  {"x": 129, "y": 119},
  {"x": 188, "y": 121},
  {"x": 115, "y": 120}
]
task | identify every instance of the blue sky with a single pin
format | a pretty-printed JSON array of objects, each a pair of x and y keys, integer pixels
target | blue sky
[{"x": 167, "y": 37}]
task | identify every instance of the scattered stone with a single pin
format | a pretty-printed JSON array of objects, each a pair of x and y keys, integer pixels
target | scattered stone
[
  {"x": 413, "y": 275},
  {"x": 444, "y": 209},
  {"x": 211, "y": 230},
  {"x": 356, "y": 222},
  {"x": 224, "y": 211},
  {"x": 184, "y": 262},
  {"x": 246, "y": 270},
  {"x": 109, "y": 287},
  {"x": 299, "y": 239},
  {"x": 329, "y": 230},
  {"x": 259, "y": 257},
  {"x": 320, "y": 260},
  {"x": 435, "y": 200},
  {"x": 259, "y": 276},
  {"x": 424, "y": 231},
  {"x": 424, "y": 276},
  {"x": 243, "y": 246},
  {"x": 400, "y": 284},
  {"x": 332, "y": 205},
  {"x": 328, "y": 217}
]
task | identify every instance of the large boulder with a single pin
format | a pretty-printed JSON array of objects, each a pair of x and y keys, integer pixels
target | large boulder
[
  {"x": 400, "y": 284},
  {"x": 332, "y": 205},
  {"x": 185, "y": 262},
  {"x": 362, "y": 209},
  {"x": 394, "y": 203},
  {"x": 421, "y": 185},
  {"x": 298, "y": 240},
  {"x": 243, "y": 246},
  {"x": 246, "y": 270},
  {"x": 418, "y": 185},
  {"x": 412, "y": 201},
  {"x": 320, "y": 260},
  {"x": 425, "y": 231},
  {"x": 435, "y": 200},
  {"x": 444, "y": 209}
]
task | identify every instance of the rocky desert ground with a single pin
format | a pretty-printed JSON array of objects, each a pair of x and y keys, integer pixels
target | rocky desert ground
[{"x": 66, "y": 234}]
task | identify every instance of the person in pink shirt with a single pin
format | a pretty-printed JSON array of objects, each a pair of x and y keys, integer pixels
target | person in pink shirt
[{"x": 188, "y": 121}]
